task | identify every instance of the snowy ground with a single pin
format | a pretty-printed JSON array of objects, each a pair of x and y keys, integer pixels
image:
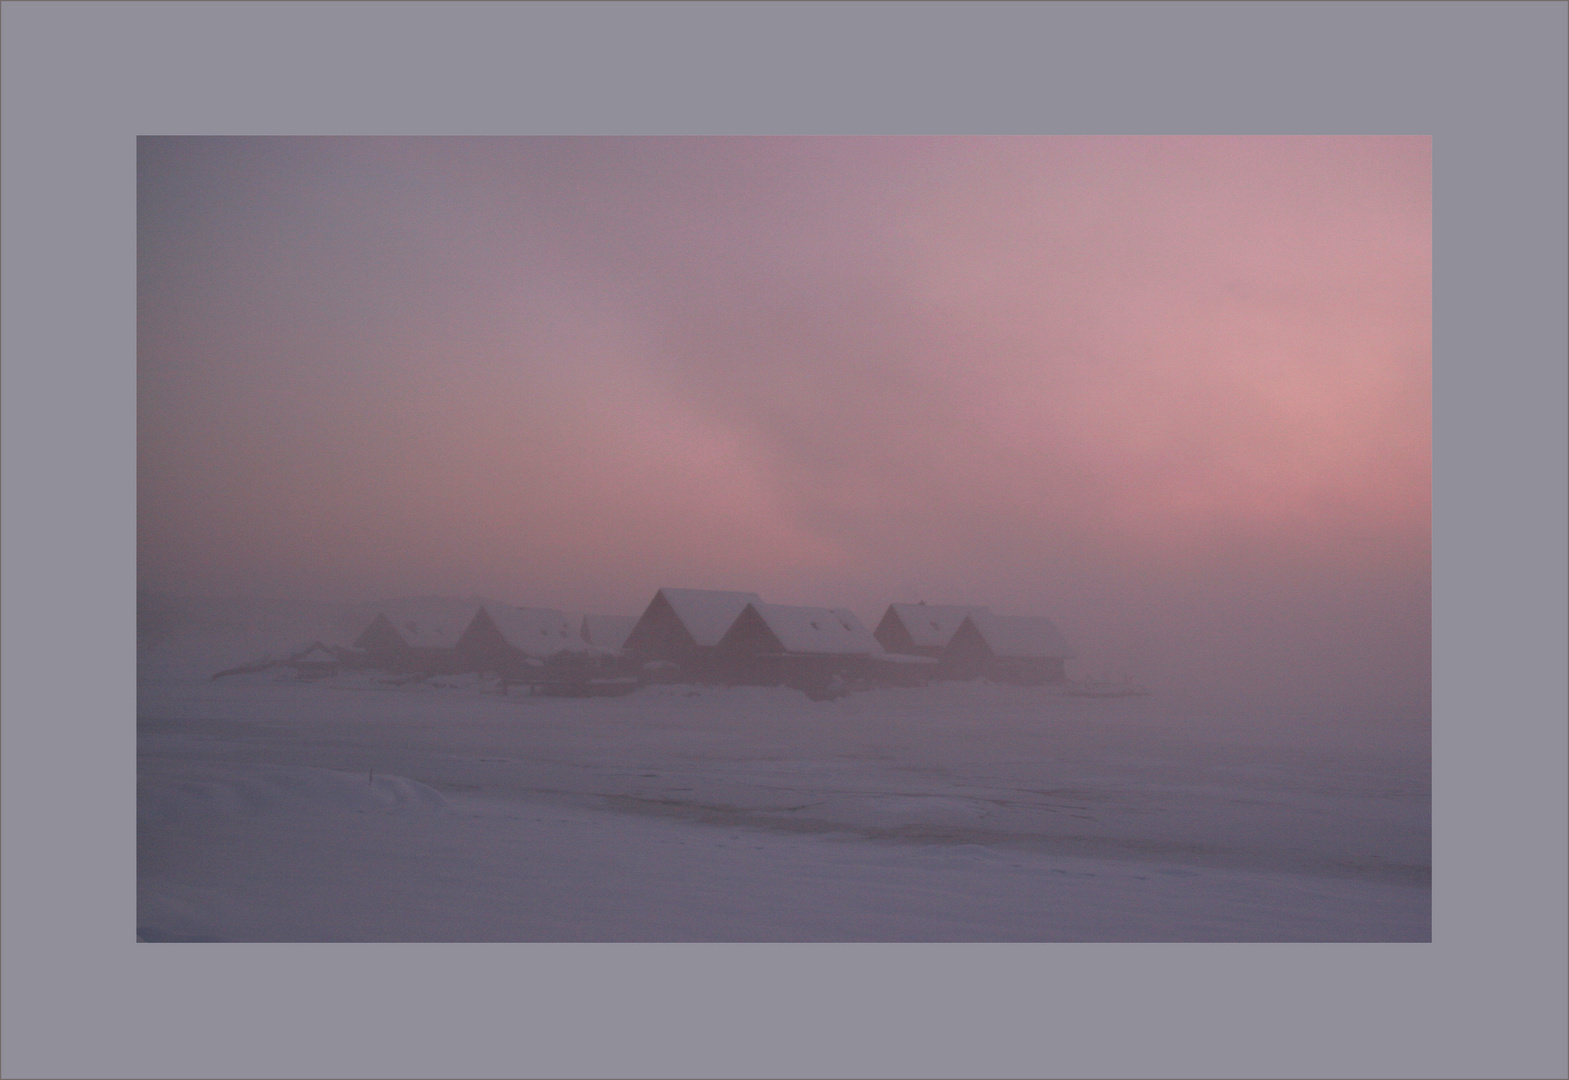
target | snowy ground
[{"x": 353, "y": 809}]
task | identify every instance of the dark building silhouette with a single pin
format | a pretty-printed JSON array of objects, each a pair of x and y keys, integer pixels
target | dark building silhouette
[
  {"x": 921, "y": 629},
  {"x": 1025, "y": 650},
  {"x": 682, "y": 628}
]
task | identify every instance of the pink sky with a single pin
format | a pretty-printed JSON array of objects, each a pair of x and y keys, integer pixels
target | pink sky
[{"x": 1173, "y": 392}]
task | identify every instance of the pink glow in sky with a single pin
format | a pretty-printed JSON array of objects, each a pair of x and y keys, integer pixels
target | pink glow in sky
[{"x": 1173, "y": 392}]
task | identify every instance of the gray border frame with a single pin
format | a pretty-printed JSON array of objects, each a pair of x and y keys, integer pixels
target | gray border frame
[{"x": 1486, "y": 998}]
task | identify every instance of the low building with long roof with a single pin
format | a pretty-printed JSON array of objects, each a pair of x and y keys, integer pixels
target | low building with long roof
[
  {"x": 921, "y": 629},
  {"x": 418, "y": 633},
  {"x": 504, "y": 638},
  {"x": 801, "y": 631},
  {"x": 819, "y": 650},
  {"x": 1023, "y": 649},
  {"x": 681, "y": 629}
]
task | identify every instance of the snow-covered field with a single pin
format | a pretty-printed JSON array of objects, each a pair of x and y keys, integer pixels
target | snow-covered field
[{"x": 358, "y": 809}]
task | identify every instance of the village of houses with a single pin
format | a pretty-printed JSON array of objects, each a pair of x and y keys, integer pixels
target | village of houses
[{"x": 698, "y": 636}]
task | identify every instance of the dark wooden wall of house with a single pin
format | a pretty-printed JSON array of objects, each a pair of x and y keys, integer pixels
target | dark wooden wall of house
[
  {"x": 380, "y": 636},
  {"x": 967, "y": 655},
  {"x": 482, "y": 644},
  {"x": 750, "y": 634},
  {"x": 892, "y": 635},
  {"x": 659, "y": 635}
]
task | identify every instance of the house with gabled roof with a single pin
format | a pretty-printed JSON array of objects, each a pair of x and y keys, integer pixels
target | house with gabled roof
[
  {"x": 781, "y": 629},
  {"x": 921, "y": 629},
  {"x": 414, "y": 633},
  {"x": 502, "y": 637},
  {"x": 683, "y": 627},
  {"x": 1027, "y": 650},
  {"x": 417, "y": 622},
  {"x": 380, "y": 637},
  {"x": 822, "y": 651}
]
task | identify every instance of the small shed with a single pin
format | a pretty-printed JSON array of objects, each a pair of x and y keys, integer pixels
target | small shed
[{"x": 1026, "y": 650}]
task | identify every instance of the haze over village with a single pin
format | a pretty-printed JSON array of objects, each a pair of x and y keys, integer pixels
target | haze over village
[
  {"x": 765, "y": 539},
  {"x": 1172, "y": 394},
  {"x": 684, "y": 636}
]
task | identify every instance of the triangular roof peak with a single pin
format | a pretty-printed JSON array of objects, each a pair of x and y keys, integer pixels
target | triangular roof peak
[
  {"x": 708, "y": 613},
  {"x": 316, "y": 654},
  {"x": 533, "y": 631},
  {"x": 426, "y": 621},
  {"x": 930, "y": 626},
  {"x": 817, "y": 630},
  {"x": 1018, "y": 636}
]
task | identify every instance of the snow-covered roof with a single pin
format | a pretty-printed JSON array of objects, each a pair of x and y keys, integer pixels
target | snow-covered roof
[
  {"x": 317, "y": 654},
  {"x": 932, "y": 625},
  {"x": 534, "y": 631},
  {"x": 708, "y": 613},
  {"x": 818, "y": 630},
  {"x": 608, "y": 631},
  {"x": 1020, "y": 635},
  {"x": 428, "y": 622}
]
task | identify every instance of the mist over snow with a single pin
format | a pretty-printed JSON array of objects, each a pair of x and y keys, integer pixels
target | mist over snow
[
  {"x": 365, "y": 807},
  {"x": 1172, "y": 394}
]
